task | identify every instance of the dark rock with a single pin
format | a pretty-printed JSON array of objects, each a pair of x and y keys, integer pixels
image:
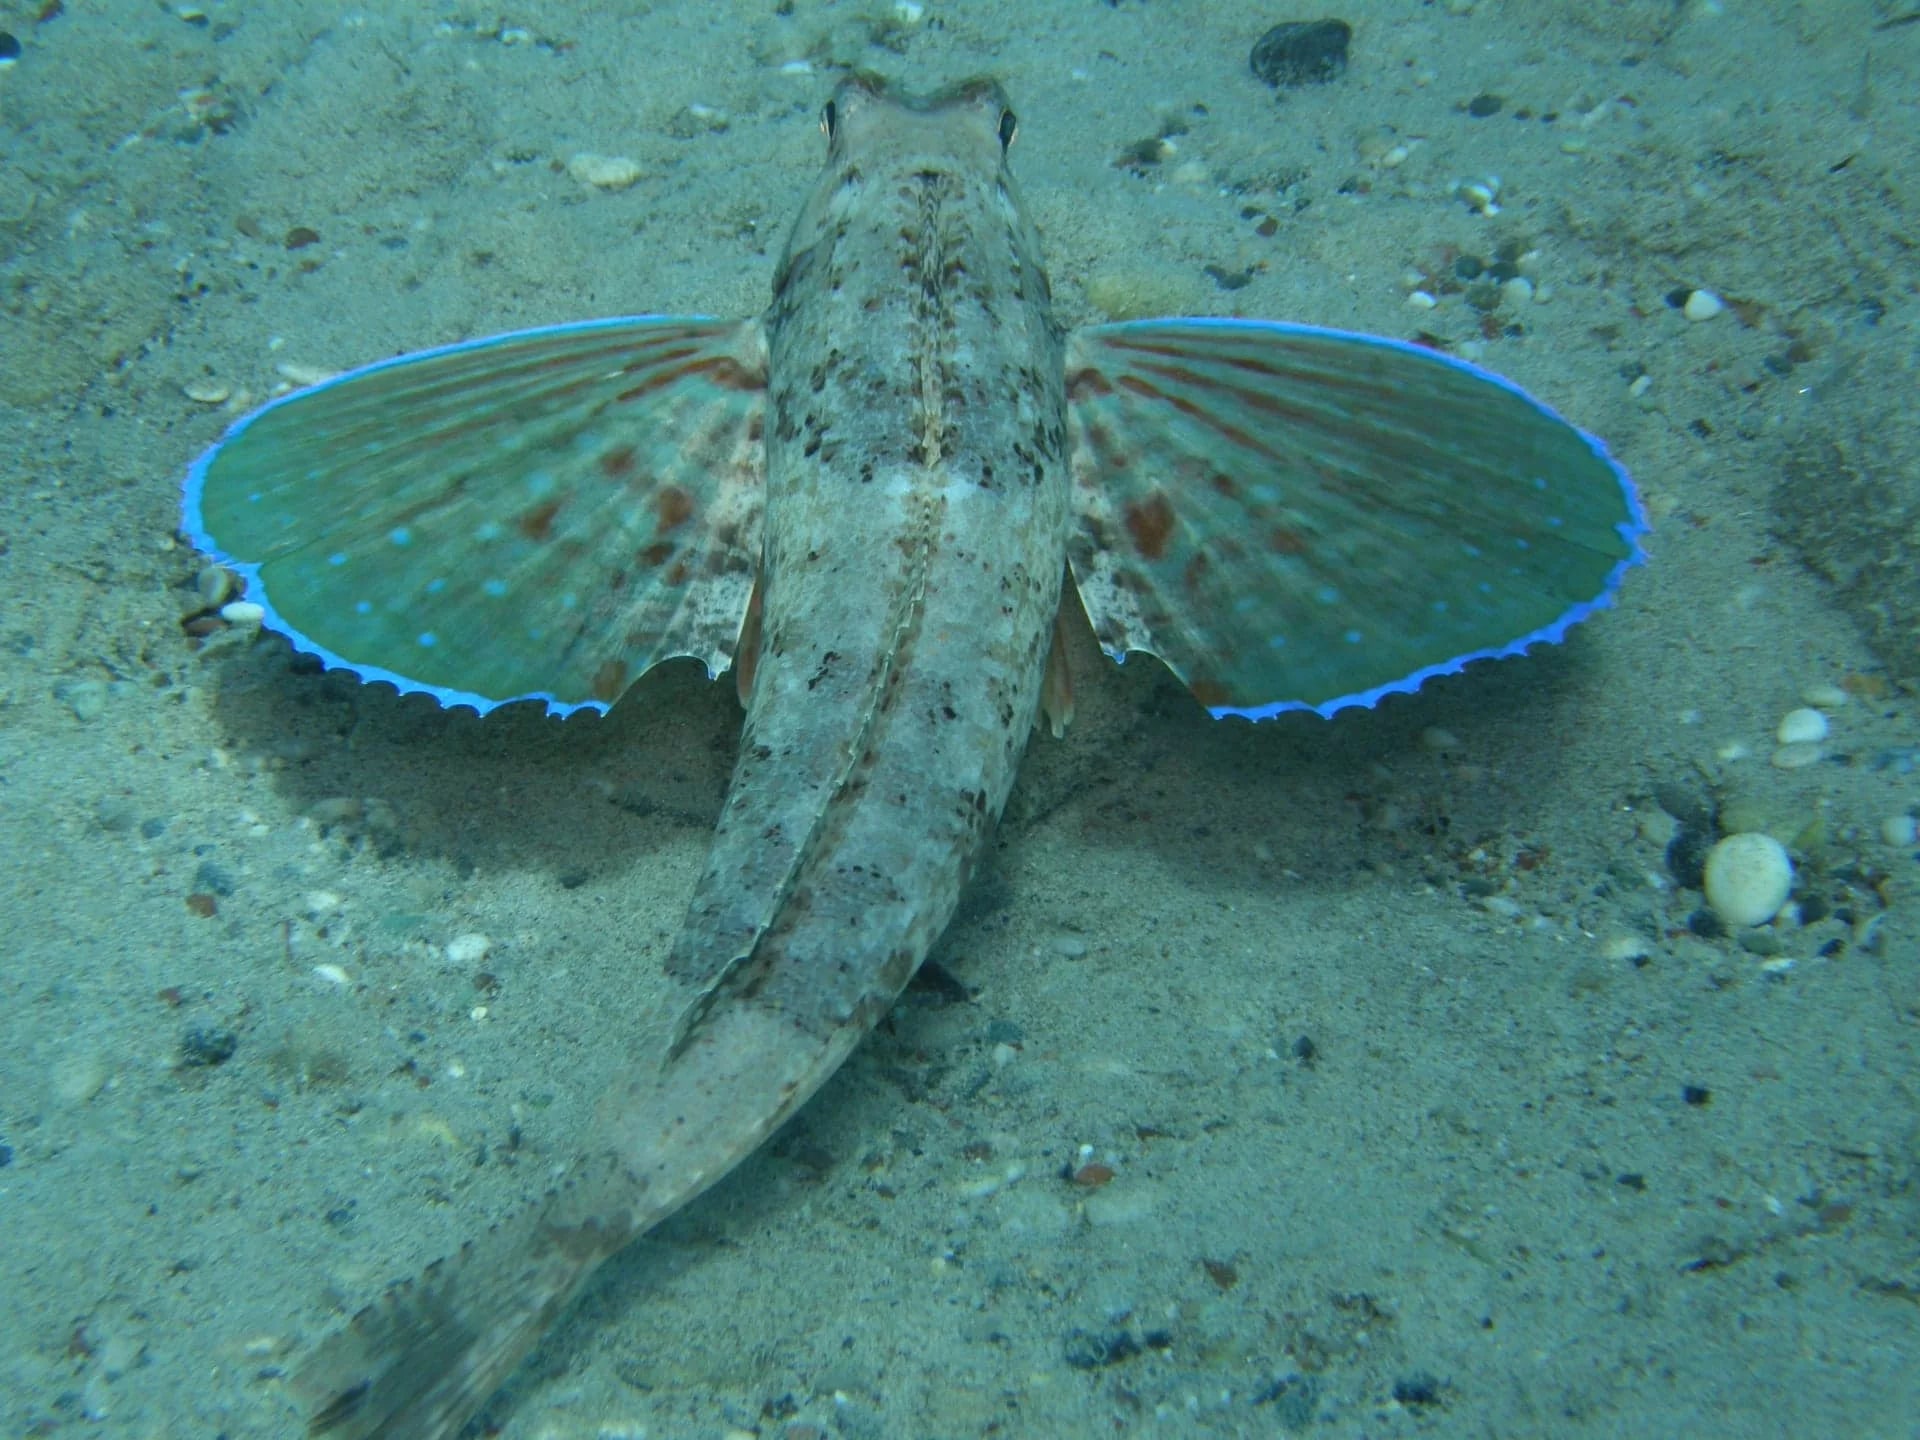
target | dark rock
[
  {"x": 1302, "y": 52},
  {"x": 1417, "y": 1389},
  {"x": 1088, "y": 1351},
  {"x": 205, "y": 1046}
]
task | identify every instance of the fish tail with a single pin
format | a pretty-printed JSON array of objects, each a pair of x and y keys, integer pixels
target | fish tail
[{"x": 419, "y": 1362}]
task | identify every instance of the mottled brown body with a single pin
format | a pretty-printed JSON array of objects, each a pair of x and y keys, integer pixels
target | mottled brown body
[{"x": 915, "y": 532}]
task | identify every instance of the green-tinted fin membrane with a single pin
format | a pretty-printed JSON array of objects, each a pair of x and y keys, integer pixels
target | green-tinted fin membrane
[
  {"x": 1295, "y": 518},
  {"x": 541, "y": 515}
]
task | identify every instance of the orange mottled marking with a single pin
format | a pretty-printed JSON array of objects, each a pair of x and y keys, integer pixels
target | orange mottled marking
[
  {"x": 1283, "y": 541},
  {"x": 672, "y": 506},
  {"x": 610, "y": 680},
  {"x": 537, "y": 523},
  {"x": 1209, "y": 692},
  {"x": 1150, "y": 523}
]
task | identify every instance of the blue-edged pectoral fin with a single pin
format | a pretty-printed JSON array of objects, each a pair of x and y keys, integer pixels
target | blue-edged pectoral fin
[
  {"x": 540, "y": 515},
  {"x": 1294, "y": 518}
]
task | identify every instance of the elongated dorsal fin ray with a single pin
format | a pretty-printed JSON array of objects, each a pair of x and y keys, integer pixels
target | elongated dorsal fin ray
[
  {"x": 1304, "y": 519},
  {"x": 539, "y": 515}
]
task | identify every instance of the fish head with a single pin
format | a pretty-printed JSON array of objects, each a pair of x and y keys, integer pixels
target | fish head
[
  {"x": 900, "y": 164},
  {"x": 871, "y": 123}
]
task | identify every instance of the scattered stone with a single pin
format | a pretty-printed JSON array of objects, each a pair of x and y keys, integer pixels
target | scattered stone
[
  {"x": 1702, "y": 305},
  {"x": 77, "y": 1078},
  {"x": 1302, "y": 52},
  {"x": 1826, "y": 697},
  {"x": 1900, "y": 831},
  {"x": 214, "y": 585},
  {"x": 1747, "y": 879},
  {"x": 213, "y": 878},
  {"x": 87, "y": 699},
  {"x": 1086, "y": 1350},
  {"x": 604, "y": 172},
  {"x": 242, "y": 612},
  {"x": 115, "y": 814},
  {"x": 468, "y": 949},
  {"x": 205, "y": 1045},
  {"x": 1419, "y": 1388},
  {"x": 1802, "y": 727}
]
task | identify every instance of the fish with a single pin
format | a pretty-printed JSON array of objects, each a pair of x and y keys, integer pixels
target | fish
[{"x": 880, "y": 504}]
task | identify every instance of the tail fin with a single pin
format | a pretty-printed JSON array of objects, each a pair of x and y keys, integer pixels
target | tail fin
[{"x": 418, "y": 1363}]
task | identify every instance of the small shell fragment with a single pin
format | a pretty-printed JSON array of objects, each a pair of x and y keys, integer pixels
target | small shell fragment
[
  {"x": 603, "y": 172},
  {"x": 469, "y": 949},
  {"x": 1702, "y": 305}
]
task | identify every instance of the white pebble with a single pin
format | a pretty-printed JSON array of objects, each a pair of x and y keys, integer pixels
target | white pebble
[
  {"x": 1702, "y": 305},
  {"x": 1826, "y": 697},
  {"x": 78, "y": 1077},
  {"x": 1797, "y": 756},
  {"x": 1802, "y": 727},
  {"x": 604, "y": 172},
  {"x": 242, "y": 612},
  {"x": 1625, "y": 948},
  {"x": 207, "y": 392},
  {"x": 321, "y": 903},
  {"x": 1900, "y": 831},
  {"x": 1421, "y": 300},
  {"x": 1748, "y": 878},
  {"x": 468, "y": 949},
  {"x": 332, "y": 975}
]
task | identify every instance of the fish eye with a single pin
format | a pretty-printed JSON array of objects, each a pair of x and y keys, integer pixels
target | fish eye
[
  {"x": 829, "y": 120},
  {"x": 1009, "y": 127}
]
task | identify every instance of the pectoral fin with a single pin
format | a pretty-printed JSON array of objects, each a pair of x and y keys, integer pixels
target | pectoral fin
[
  {"x": 1294, "y": 518},
  {"x": 541, "y": 515}
]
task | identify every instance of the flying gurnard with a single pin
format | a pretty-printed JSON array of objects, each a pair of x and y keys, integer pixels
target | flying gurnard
[{"x": 875, "y": 502}]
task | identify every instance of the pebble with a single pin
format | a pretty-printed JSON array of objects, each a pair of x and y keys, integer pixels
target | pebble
[
  {"x": 1802, "y": 727},
  {"x": 79, "y": 1077},
  {"x": 1702, "y": 305},
  {"x": 87, "y": 699},
  {"x": 1626, "y": 948},
  {"x": 1797, "y": 756},
  {"x": 207, "y": 392},
  {"x": 1748, "y": 878},
  {"x": 1900, "y": 831},
  {"x": 1302, "y": 52},
  {"x": 214, "y": 585},
  {"x": 242, "y": 612},
  {"x": 469, "y": 949},
  {"x": 1825, "y": 697},
  {"x": 1069, "y": 947},
  {"x": 604, "y": 172}
]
